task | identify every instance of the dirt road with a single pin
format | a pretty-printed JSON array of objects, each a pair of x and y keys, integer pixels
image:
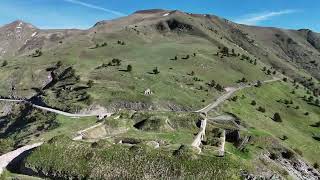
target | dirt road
[
  {"x": 5, "y": 159},
  {"x": 230, "y": 92},
  {"x": 99, "y": 115}
]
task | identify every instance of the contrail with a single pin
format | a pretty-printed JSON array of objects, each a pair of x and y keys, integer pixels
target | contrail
[
  {"x": 117, "y": 13},
  {"x": 253, "y": 19}
]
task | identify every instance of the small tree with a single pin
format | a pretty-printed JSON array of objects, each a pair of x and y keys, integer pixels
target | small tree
[
  {"x": 225, "y": 51},
  {"x": 253, "y": 103},
  {"x": 187, "y": 56},
  {"x": 310, "y": 99},
  {"x": 285, "y": 79},
  {"x": 259, "y": 84},
  {"x": 90, "y": 83},
  {"x": 261, "y": 109},
  {"x": 264, "y": 69},
  {"x": 234, "y": 98},
  {"x": 219, "y": 87},
  {"x": 233, "y": 52},
  {"x": 4, "y": 63},
  {"x": 244, "y": 80},
  {"x": 155, "y": 70},
  {"x": 268, "y": 72},
  {"x": 117, "y": 62},
  {"x": 277, "y": 117},
  {"x": 212, "y": 83},
  {"x": 59, "y": 64},
  {"x": 129, "y": 68}
]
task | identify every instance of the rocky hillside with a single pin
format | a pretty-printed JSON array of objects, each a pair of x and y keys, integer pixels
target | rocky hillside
[{"x": 20, "y": 37}]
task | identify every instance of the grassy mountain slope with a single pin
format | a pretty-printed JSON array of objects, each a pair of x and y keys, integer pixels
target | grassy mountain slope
[{"x": 186, "y": 60}]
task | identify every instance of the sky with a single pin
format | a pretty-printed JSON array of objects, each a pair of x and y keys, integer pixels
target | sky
[{"x": 82, "y": 14}]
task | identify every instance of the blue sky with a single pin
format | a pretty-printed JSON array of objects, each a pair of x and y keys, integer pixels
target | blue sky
[{"x": 292, "y": 14}]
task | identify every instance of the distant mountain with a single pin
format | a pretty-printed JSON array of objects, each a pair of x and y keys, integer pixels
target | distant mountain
[{"x": 283, "y": 49}]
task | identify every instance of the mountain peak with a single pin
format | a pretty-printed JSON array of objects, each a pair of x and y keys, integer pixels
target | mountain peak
[
  {"x": 19, "y": 24},
  {"x": 149, "y": 11}
]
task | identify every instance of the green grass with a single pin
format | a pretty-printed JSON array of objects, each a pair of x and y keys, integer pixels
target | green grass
[
  {"x": 7, "y": 175},
  {"x": 116, "y": 161},
  {"x": 114, "y": 86},
  {"x": 295, "y": 124},
  {"x": 171, "y": 127},
  {"x": 68, "y": 126}
]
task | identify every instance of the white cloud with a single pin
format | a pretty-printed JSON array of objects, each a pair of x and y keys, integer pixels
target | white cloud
[
  {"x": 253, "y": 19},
  {"x": 117, "y": 13}
]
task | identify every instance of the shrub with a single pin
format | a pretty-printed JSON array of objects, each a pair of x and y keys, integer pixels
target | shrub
[
  {"x": 317, "y": 124},
  {"x": 261, "y": 109},
  {"x": 187, "y": 57},
  {"x": 268, "y": 72},
  {"x": 116, "y": 62},
  {"x": 285, "y": 79},
  {"x": 253, "y": 103},
  {"x": 316, "y": 165},
  {"x": 155, "y": 70},
  {"x": 219, "y": 87},
  {"x": 225, "y": 51},
  {"x": 4, "y": 63},
  {"x": 129, "y": 68},
  {"x": 121, "y": 42},
  {"x": 235, "y": 98},
  {"x": 277, "y": 117},
  {"x": 273, "y": 156},
  {"x": 212, "y": 83},
  {"x": 90, "y": 83},
  {"x": 264, "y": 68},
  {"x": 284, "y": 137},
  {"x": 259, "y": 84},
  {"x": 287, "y": 154},
  {"x": 316, "y": 137},
  {"x": 175, "y": 58},
  {"x": 306, "y": 113},
  {"x": 59, "y": 64},
  {"x": 243, "y": 80},
  {"x": 37, "y": 53}
]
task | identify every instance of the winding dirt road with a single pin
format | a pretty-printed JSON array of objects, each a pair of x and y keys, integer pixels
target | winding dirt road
[
  {"x": 5, "y": 159},
  {"x": 230, "y": 92},
  {"x": 99, "y": 115}
]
